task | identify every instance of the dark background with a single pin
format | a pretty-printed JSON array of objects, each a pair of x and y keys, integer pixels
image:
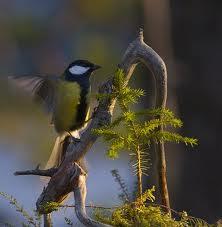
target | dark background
[{"x": 45, "y": 36}]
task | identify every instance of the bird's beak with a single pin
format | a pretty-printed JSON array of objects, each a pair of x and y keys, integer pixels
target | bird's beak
[{"x": 95, "y": 67}]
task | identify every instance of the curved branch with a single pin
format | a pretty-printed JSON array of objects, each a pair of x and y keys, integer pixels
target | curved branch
[
  {"x": 137, "y": 52},
  {"x": 80, "y": 197}
]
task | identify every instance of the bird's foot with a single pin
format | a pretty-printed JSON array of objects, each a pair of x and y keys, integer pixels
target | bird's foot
[{"x": 73, "y": 139}]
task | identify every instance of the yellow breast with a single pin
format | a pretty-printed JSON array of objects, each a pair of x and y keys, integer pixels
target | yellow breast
[{"x": 67, "y": 100}]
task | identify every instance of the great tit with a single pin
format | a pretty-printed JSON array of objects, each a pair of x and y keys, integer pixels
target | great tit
[{"x": 66, "y": 98}]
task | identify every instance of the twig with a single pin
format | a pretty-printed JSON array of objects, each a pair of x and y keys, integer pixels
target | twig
[
  {"x": 37, "y": 171},
  {"x": 90, "y": 206},
  {"x": 119, "y": 180}
]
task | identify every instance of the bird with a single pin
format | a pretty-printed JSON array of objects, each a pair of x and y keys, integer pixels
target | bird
[{"x": 66, "y": 98}]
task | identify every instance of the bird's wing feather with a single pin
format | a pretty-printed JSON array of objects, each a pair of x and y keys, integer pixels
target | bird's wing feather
[{"x": 41, "y": 88}]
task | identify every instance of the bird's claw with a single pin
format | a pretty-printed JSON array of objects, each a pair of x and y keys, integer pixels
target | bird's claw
[{"x": 74, "y": 139}]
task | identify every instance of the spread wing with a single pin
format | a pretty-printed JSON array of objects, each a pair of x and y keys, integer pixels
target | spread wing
[{"x": 41, "y": 88}]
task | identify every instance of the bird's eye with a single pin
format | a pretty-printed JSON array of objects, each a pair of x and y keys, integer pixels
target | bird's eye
[{"x": 78, "y": 70}]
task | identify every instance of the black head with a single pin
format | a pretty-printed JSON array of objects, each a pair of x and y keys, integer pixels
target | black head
[{"x": 80, "y": 70}]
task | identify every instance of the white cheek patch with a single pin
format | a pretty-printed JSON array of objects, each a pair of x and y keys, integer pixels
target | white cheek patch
[{"x": 78, "y": 70}]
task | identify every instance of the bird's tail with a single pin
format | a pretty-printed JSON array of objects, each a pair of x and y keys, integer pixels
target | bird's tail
[
  {"x": 56, "y": 154},
  {"x": 59, "y": 149}
]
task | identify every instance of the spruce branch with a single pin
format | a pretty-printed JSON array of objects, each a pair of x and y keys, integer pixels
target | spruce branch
[
  {"x": 13, "y": 201},
  {"x": 138, "y": 133},
  {"x": 125, "y": 194}
]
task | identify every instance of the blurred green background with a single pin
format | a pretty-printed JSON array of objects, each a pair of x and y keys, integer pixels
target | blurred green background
[{"x": 43, "y": 37}]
